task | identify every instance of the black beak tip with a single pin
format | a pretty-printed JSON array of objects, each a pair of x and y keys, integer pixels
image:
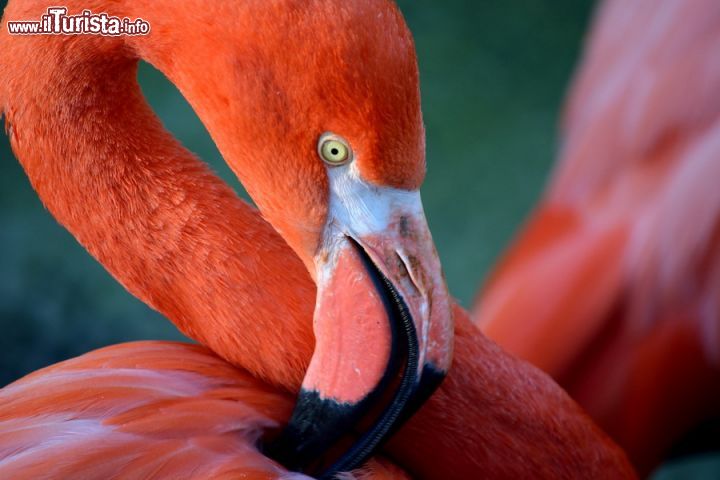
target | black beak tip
[
  {"x": 305, "y": 438},
  {"x": 303, "y": 443}
]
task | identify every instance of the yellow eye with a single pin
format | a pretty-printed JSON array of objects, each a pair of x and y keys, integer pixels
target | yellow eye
[{"x": 334, "y": 150}]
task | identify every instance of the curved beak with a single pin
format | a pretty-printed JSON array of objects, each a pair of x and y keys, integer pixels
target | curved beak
[{"x": 383, "y": 328}]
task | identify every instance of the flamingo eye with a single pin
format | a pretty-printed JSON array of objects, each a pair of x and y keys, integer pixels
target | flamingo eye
[{"x": 334, "y": 150}]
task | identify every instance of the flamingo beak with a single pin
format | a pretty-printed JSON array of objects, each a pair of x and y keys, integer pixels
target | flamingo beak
[{"x": 383, "y": 328}]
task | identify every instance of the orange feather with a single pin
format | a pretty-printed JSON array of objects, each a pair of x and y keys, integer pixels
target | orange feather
[{"x": 138, "y": 410}]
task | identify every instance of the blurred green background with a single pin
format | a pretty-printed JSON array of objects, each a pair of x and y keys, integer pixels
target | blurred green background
[{"x": 493, "y": 78}]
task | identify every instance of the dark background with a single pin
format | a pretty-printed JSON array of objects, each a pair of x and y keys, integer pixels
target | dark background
[{"x": 493, "y": 77}]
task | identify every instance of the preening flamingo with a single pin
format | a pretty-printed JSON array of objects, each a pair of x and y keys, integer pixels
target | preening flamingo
[
  {"x": 315, "y": 106},
  {"x": 612, "y": 287}
]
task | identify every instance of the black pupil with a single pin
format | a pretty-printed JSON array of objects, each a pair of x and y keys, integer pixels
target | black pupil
[{"x": 334, "y": 151}]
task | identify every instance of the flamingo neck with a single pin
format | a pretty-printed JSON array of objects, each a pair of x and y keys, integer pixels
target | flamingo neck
[
  {"x": 496, "y": 416},
  {"x": 164, "y": 226}
]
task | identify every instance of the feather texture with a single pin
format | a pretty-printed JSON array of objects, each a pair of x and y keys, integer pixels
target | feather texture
[{"x": 139, "y": 410}]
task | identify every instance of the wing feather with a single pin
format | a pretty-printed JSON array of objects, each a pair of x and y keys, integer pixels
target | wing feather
[{"x": 139, "y": 410}]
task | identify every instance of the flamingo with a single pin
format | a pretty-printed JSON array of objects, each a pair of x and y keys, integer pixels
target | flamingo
[
  {"x": 612, "y": 286},
  {"x": 323, "y": 321}
]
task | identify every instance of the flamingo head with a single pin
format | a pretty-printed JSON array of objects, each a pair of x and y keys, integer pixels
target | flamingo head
[{"x": 320, "y": 119}]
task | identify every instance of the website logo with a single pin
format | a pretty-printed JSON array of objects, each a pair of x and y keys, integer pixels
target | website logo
[{"x": 56, "y": 21}]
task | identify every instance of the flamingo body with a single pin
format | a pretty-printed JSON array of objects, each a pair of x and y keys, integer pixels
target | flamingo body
[
  {"x": 144, "y": 410},
  {"x": 138, "y": 410},
  {"x": 612, "y": 286}
]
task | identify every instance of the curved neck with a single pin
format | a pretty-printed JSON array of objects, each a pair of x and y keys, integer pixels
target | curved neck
[
  {"x": 154, "y": 215},
  {"x": 496, "y": 416}
]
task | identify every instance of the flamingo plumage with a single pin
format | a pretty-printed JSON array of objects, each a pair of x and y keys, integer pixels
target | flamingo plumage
[
  {"x": 267, "y": 79},
  {"x": 612, "y": 286}
]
